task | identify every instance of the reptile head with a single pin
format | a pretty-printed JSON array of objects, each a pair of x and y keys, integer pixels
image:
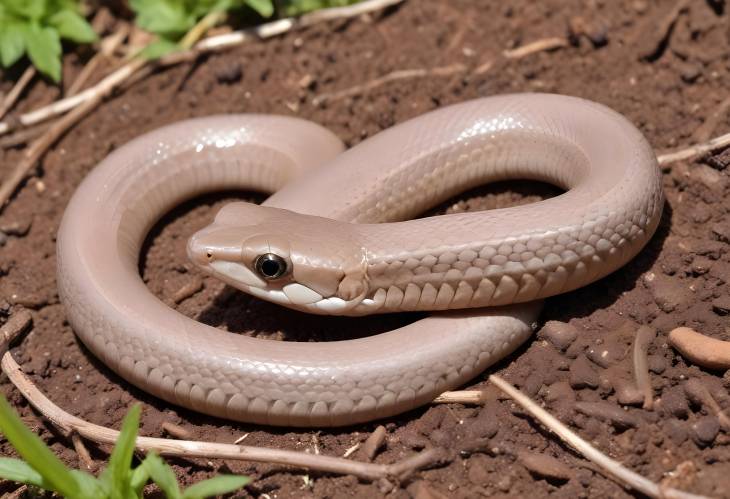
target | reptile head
[{"x": 301, "y": 261}]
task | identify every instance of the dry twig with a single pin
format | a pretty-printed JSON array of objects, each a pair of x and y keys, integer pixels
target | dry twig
[
  {"x": 644, "y": 336},
  {"x": 106, "y": 49},
  {"x": 537, "y": 46},
  {"x": 82, "y": 452},
  {"x": 666, "y": 158},
  {"x": 608, "y": 466},
  {"x": 9, "y": 101},
  {"x": 467, "y": 397}
]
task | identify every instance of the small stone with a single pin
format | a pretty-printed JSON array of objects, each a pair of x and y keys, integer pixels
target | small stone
[
  {"x": 721, "y": 305},
  {"x": 17, "y": 228},
  {"x": 306, "y": 81},
  {"x": 560, "y": 334},
  {"x": 689, "y": 72},
  {"x": 477, "y": 474},
  {"x": 3, "y": 239},
  {"x": 483, "y": 426},
  {"x": 231, "y": 73},
  {"x": 559, "y": 391},
  {"x": 720, "y": 161},
  {"x": 413, "y": 440},
  {"x": 441, "y": 438},
  {"x": 701, "y": 265},
  {"x": 607, "y": 411},
  {"x": 704, "y": 430},
  {"x": 721, "y": 231},
  {"x": 668, "y": 292},
  {"x": 545, "y": 466},
  {"x": 607, "y": 354},
  {"x": 582, "y": 374},
  {"x": 504, "y": 484},
  {"x": 674, "y": 402},
  {"x": 628, "y": 394}
]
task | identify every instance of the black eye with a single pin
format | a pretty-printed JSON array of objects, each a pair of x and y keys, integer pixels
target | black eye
[{"x": 270, "y": 266}]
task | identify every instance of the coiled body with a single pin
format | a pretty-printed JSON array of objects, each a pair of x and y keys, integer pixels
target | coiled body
[{"x": 611, "y": 207}]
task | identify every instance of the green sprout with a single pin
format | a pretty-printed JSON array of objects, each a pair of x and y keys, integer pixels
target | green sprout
[
  {"x": 36, "y": 27},
  {"x": 41, "y": 468}
]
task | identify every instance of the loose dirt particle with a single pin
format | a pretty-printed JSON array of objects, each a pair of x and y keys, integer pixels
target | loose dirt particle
[
  {"x": 606, "y": 411},
  {"x": 582, "y": 374},
  {"x": 560, "y": 334},
  {"x": 704, "y": 430},
  {"x": 545, "y": 466}
]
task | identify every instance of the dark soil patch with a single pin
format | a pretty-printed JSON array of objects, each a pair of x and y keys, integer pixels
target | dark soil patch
[{"x": 673, "y": 282}]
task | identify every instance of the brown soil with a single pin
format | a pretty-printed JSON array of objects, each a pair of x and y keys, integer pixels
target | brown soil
[{"x": 681, "y": 278}]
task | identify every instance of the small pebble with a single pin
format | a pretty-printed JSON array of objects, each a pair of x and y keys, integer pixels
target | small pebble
[
  {"x": 559, "y": 391},
  {"x": 477, "y": 474},
  {"x": 17, "y": 228},
  {"x": 628, "y": 394},
  {"x": 704, "y": 430},
  {"x": 544, "y": 466},
  {"x": 231, "y": 73},
  {"x": 441, "y": 438},
  {"x": 721, "y": 231},
  {"x": 607, "y": 354},
  {"x": 582, "y": 374},
  {"x": 721, "y": 305},
  {"x": 607, "y": 411},
  {"x": 413, "y": 440},
  {"x": 560, "y": 334},
  {"x": 689, "y": 72},
  {"x": 674, "y": 402},
  {"x": 3, "y": 239}
]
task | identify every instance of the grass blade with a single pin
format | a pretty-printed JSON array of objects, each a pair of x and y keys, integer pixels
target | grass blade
[
  {"x": 117, "y": 476},
  {"x": 222, "y": 484},
  {"x": 19, "y": 471},
  {"x": 140, "y": 477},
  {"x": 162, "y": 475},
  {"x": 32, "y": 449}
]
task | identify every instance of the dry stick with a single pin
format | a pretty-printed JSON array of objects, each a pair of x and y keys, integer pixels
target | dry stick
[
  {"x": 41, "y": 145},
  {"x": 440, "y": 71},
  {"x": 82, "y": 452},
  {"x": 468, "y": 397},
  {"x": 543, "y": 45},
  {"x": 17, "y": 89},
  {"x": 667, "y": 158},
  {"x": 214, "y": 43},
  {"x": 189, "y": 449},
  {"x": 106, "y": 48},
  {"x": 644, "y": 336},
  {"x": 609, "y": 467}
]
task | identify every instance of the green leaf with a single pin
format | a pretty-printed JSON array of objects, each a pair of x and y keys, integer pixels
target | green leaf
[
  {"x": 44, "y": 50},
  {"x": 167, "y": 18},
  {"x": 118, "y": 473},
  {"x": 72, "y": 26},
  {"x": 30, "y": 9},
  {"x": 140, "y": 477},
  {"x": 12, "y": 43},
  {"x": 162, "y": 475},
  {"x": 265, "y": 8},
  {"x": 90, "y": 487},
  {"x": 19, "y": 471},
  {"x": 36, "y": 454},
  {"x": 158, "y": 48},
  {"x": 222, "y": 484}
]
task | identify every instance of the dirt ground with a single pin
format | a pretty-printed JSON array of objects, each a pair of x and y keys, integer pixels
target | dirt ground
[{"x": 670, "y": 87}]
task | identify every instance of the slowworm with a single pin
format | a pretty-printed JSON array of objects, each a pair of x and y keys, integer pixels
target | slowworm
[{"x": 335, "y": 238}]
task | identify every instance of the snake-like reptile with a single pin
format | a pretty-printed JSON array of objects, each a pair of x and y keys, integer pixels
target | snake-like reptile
[{"x": 333, "y": 239}]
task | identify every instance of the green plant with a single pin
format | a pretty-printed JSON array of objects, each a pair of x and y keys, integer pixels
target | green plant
[
  {"x": 41, "y": 468},
  {"x": 36, "y": 27},
  {"x": 170, "y": 20}
]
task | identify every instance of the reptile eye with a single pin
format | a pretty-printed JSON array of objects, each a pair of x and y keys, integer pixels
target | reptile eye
[{"x": 270, "y": 266}]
